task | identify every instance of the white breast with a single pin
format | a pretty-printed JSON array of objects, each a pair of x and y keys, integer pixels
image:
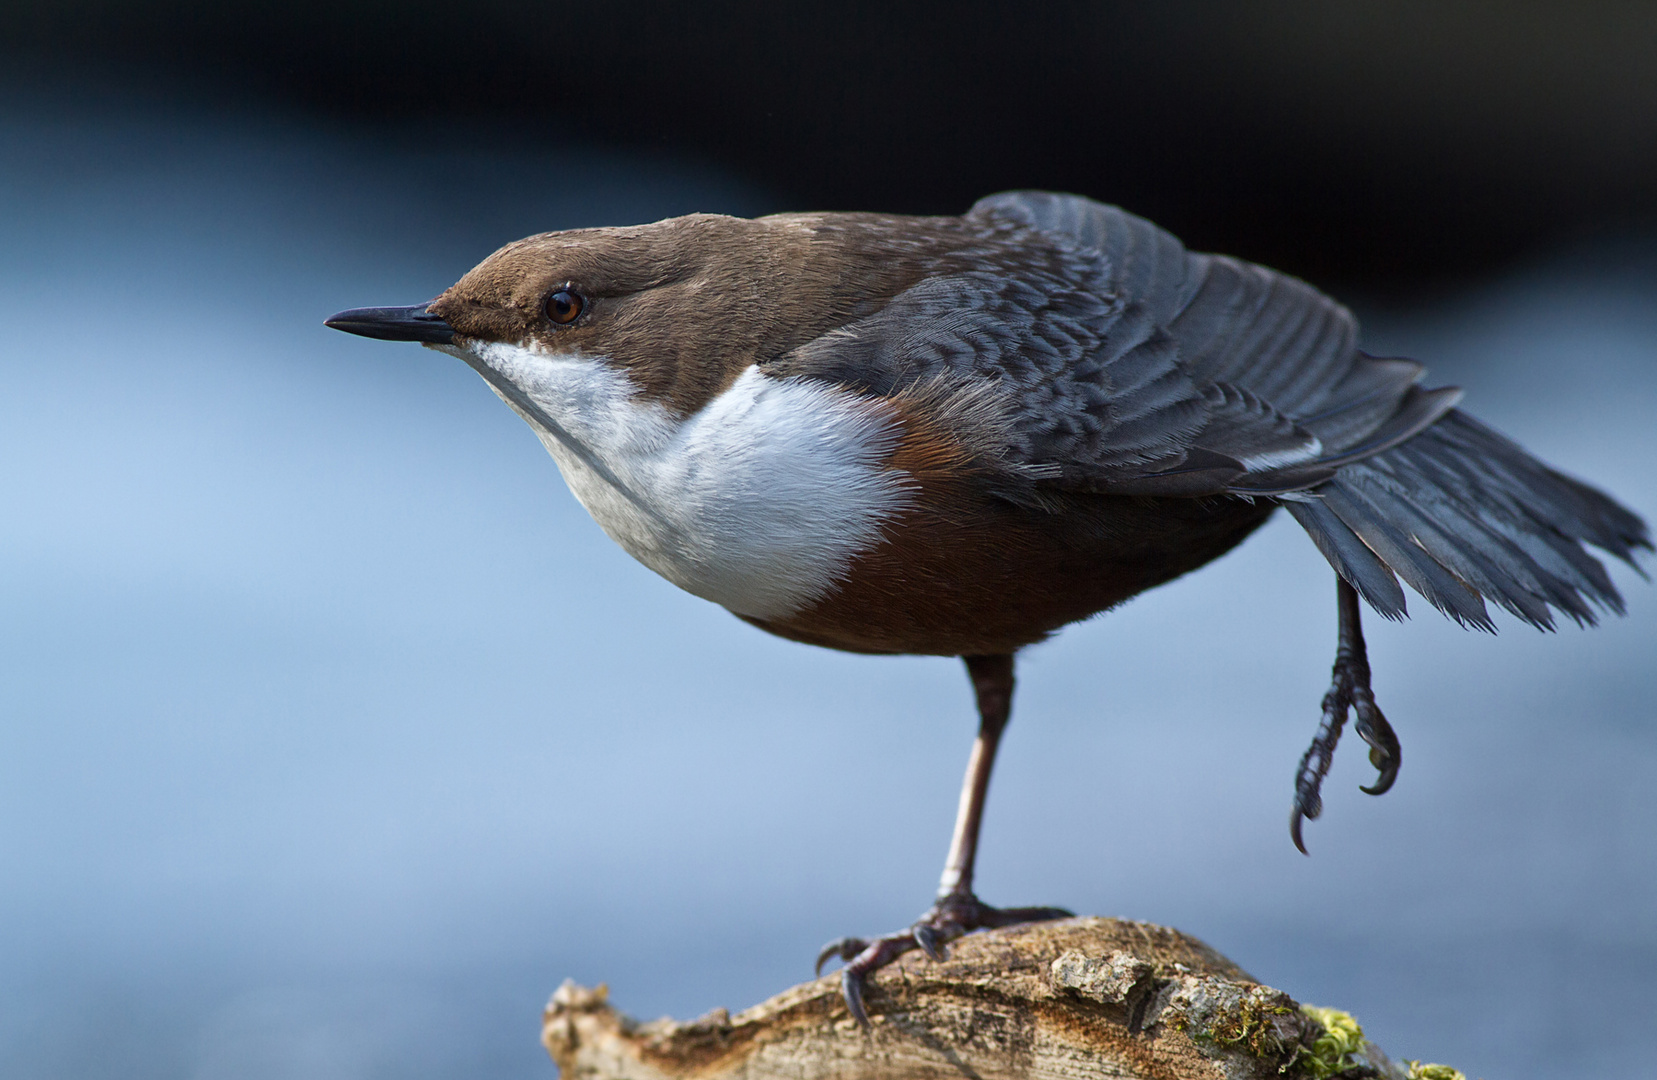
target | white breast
[{"x": 758, "y": 502}]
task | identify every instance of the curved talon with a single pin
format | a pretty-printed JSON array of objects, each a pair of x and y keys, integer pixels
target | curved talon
[
  {"x": 1384, "y": 751},
  {"x": 930, "y": 941},
  {"x": 845, "y": 948},
  {"x": 1296, "y": 816},
  {"x": 851, "y": 988},
  {"x": 878, "y": 953},
  {"x": 1314, "y": 766},
  {"x": 1384, "y": 782},
  {"x": 1308, "y": 807}
]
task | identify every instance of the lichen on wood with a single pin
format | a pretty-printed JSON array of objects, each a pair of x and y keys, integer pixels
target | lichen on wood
[{"x": 1064, "y": 1000}]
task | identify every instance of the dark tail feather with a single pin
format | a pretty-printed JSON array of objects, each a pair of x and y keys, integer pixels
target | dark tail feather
[
  {"x": 1350, "y": 558},
  {"x": 1460, "y": 512},
  {"x": 1405, "y": 556}
]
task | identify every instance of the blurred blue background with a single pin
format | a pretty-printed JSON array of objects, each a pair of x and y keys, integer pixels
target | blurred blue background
[{"x": 334, "y": 735}]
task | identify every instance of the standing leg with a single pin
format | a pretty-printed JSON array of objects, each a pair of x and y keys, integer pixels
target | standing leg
[
  {"x": 992, "y": 685},
  {"x": 956, "y": 910},
  {"x": 1348, "y": 690}
]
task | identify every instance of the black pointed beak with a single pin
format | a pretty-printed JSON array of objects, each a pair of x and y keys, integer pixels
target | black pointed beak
[{"x": 394, "y": 324}]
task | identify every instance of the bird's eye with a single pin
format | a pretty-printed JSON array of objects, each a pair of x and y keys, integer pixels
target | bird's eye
[{"x": 564, "y": 306}]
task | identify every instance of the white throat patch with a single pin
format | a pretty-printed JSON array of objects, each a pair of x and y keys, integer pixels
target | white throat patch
[{"x": 758, "y": 502}]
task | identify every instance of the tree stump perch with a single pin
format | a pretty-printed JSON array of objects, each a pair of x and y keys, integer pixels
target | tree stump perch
[{"x": 1086, "y": 997}]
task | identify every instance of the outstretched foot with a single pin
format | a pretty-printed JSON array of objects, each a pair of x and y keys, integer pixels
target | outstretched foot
[
  {"x": 1348, "y": 691},
  {"x": 952, "y": 916}
]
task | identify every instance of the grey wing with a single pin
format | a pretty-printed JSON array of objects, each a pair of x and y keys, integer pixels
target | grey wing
[
  {"x": 1211, "y": 375},
  {"x": 1127, "y": 365},
  {"x": 1387, "y": 477},
  {"x": 1120, "y": 363}
]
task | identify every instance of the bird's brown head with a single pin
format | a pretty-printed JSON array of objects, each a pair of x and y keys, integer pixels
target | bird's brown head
[{"x": 682, "y": 306}]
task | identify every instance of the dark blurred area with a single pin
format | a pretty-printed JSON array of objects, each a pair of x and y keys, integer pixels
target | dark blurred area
[{"x": 1394, "y": 148}]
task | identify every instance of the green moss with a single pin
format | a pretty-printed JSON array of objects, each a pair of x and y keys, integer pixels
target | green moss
[
  {"x": 1333, "y": 1051},
  {"x": 1341, "y": 1038},
  {"x": 1250, "y": 1019},
  {"x": 1251, "y": 1026}
]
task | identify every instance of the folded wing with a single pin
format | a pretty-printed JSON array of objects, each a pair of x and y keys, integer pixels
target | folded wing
[{"x": 1131, "y": 366}]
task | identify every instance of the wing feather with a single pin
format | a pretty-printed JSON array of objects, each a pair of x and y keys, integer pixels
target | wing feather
[
  {"x": 1254, "y": 350},
  {"x": 1117, "y": 362}
]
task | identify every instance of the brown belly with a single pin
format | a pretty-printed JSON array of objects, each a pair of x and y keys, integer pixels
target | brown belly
[{"x": 973, "y": 574}]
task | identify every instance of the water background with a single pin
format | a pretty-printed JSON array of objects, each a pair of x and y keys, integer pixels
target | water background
[{"x": 334, "y": 735}]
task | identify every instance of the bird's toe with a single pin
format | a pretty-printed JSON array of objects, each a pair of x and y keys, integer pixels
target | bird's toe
[{"x": 949, "y": 918}]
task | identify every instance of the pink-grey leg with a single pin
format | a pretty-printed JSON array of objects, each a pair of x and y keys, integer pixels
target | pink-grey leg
[{"x": 956, "y": 911}]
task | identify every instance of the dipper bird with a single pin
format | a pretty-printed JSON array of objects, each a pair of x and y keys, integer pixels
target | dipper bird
[{"x": 954, "y": 435}]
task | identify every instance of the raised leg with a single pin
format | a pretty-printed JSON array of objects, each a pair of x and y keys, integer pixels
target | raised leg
[
  {"x": 1348, "y": 691},
  {"x": 956, "y": 910}
]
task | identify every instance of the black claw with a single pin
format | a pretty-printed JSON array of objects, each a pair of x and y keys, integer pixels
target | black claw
[
  {"x": 1296, "y": 816},
  {"x": 1314, "y": 764},
  {"x": 851, "y": 988},
  {"x": 1388, "y": 775},
  {"x": 1384, "y": 751},
  {"x": 845, "y": 948},
  {"x": 929, "y": 941},
  {"x": 1383, "y": 783}
]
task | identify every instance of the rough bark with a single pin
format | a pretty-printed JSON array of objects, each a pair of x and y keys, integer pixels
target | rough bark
[{"x": 1063, "y": 1000}]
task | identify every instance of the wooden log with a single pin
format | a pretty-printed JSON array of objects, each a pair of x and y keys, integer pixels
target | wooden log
[{"x": 1087, "y": 997}]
